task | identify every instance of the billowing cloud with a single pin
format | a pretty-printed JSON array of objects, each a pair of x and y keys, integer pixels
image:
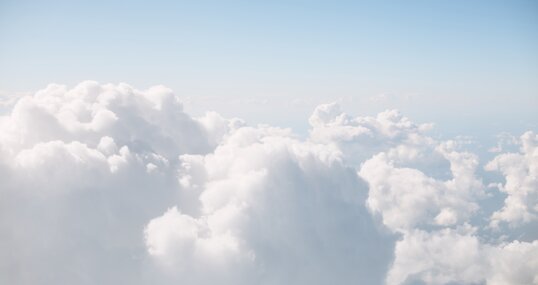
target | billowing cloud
[
  {"x": 83, "y": 170},
  {"x": 109, "y": 184},
  {"x": 281, "y": 210},
  {"x": 520, "y": 171},
  {"x": 430, "y": 193},
  {"x": 362, "y": 137},
  {"x": 458, "y": 256}
]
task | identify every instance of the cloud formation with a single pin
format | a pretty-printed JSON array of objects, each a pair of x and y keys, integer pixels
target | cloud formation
[
  {"x": 284, "y": 210},
  {"x": 521, "y": 182},
  {"x": 109, "y": 184}
]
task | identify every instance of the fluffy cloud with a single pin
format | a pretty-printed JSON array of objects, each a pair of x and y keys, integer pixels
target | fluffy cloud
[
  {"x": 430, "y": 192},
  {"x": 362, "y": 137},
  {"x": 286, "y": 210},
  {"x": 438, "y": 258},
  {"x": 520, "y": 171},
  {"x": 407, "y": 198},
  {"x": 83, "y": 170},
  {"x": 439, "y": 245},
  {"x": 458, "y": 256},
  {"x": 109, "y": 184}
]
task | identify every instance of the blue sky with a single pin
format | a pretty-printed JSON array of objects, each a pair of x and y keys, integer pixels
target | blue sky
[{"x": 273, "y": 61}]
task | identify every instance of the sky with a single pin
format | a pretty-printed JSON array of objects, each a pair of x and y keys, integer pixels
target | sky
[
  {"x": 431, "y": 59},
  {"x": 269, "y": 142}
]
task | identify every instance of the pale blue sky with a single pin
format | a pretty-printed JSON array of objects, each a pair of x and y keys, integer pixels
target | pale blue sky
[{"x": 466, "y": 65}]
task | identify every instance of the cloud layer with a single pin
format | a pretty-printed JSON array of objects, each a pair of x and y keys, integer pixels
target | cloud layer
[{"x": 109, "y": 184}]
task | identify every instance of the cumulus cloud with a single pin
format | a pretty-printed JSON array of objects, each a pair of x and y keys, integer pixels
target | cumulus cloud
[
  {"x": 457, "y": 256},
  {"x": 430, "y": 193},
  {"x": 407, "y": 198},
  {"x": 520, "y": 171},
  {"x": 83, "y": 170},
  {"x": 286, "y": 210},
  {"x": 361, "y": 137},
  {"x": 108, "y": 184}
]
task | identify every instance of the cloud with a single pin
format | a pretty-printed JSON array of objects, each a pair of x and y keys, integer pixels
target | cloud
[
  {"x": 362, "y": 137},
  {"x": 458, "y": 256},
  {"x": 83, "y": 170},
  {"x": 424, "y": 256},
  {"x": 107, "y": 184},
  {"x": 520, "y": 171},
  {"x": 407, "y": 198},
  {"x": 430, "y": 192},
  {"x": 286, "y": 210}
]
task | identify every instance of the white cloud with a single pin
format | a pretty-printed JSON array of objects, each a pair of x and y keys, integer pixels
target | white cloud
[
  {"x": 458, "y": 256},
  {"x": 76, "y": 190},
  {"x": 513, "y": 263},
  {"x": 407, "y": 198},
  {"x": 291, "y": 211},
  {"x": 520, "y": 171},
  {"x": 362, "y": 137},
  {"x": 109, "y": 184},
  {"x": 437, "y": 258}
]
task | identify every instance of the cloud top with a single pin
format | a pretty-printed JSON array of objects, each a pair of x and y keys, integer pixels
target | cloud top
[{"x": 104, "y": 183}]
